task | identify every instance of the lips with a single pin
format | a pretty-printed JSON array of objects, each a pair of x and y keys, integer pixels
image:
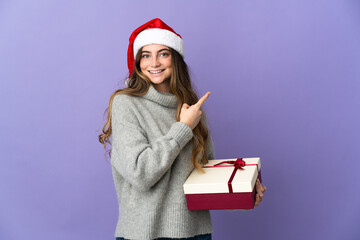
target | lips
[{"x": 155, "y": 72}]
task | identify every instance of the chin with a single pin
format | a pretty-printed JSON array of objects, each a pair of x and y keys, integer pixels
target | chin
[{"x": 159, "y": 81}]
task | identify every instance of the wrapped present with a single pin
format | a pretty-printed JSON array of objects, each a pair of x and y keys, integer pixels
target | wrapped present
[{"x": 226, "y": 184}]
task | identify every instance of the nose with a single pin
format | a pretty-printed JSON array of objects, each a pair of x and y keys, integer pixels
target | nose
[{"x": 155, "y": 62}]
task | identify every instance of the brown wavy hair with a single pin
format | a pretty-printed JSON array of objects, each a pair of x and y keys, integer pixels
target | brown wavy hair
[{"x": 180, "y": 85}]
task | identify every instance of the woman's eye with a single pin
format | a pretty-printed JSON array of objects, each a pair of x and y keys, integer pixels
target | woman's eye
[
  {"x": 164, "y": 54},
  {"x": 145, "y": 56}
]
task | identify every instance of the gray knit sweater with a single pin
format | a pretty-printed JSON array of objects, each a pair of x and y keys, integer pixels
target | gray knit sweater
[{"x": 151, "y": 159}]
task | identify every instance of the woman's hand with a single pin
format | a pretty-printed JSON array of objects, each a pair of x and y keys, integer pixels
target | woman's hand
[
  {"x": 260, "y": 189},
  {"x": 191, "y": 115}
]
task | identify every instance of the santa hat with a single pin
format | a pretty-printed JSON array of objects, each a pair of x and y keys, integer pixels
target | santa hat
[{"x": 153, "y": 32}]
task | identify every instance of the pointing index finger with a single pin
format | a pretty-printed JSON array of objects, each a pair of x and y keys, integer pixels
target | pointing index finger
[{"x": 202, "y": 100}]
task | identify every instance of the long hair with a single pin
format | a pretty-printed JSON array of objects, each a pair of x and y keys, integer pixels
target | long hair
[{"x": 180, "y": 85}]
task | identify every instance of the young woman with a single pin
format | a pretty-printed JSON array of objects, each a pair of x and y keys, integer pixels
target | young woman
[{"x": 158, "y": 136}]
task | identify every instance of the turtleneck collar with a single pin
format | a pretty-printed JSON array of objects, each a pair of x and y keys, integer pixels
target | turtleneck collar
[{"x": 162, "y": 98}]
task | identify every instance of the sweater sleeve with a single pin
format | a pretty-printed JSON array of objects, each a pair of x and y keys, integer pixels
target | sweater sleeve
[{"x": 141, "y": 163}]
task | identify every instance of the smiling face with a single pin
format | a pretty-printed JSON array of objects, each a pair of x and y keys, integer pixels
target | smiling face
[{"x": 155, "y": 63}]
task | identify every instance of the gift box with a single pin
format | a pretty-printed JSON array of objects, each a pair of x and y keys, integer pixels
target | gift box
[{"x": 226, "y": 184}]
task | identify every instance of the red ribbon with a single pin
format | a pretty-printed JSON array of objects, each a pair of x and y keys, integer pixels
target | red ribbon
[{"x": 238, "y": 164}]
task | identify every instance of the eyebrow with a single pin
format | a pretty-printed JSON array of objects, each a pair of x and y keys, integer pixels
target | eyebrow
[{"x": 164, "y": 49}]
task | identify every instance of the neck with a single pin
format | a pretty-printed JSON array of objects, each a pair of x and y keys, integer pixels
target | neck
[{"x": 163, "y": 87}]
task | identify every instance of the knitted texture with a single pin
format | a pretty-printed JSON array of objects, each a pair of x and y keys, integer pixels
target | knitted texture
[{"x": 151, "y": 159}]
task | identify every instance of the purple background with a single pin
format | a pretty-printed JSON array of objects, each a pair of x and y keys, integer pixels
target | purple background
[{"x": 285, "y": 81}]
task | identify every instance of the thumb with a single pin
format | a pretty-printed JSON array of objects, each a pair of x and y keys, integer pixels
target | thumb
[{"x": 185, "y": 105}]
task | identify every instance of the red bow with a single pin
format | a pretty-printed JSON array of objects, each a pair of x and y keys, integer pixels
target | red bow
[{"x": 238, "y": 164}]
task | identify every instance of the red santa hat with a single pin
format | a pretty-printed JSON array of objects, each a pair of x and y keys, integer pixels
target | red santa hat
[{"x": 153, "y": 32}]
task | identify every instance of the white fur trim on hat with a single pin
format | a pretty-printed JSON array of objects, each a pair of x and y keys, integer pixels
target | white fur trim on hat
[{"x": 159, "y": 36}]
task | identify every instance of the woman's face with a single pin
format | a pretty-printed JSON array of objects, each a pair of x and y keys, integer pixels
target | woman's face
[{"x": 155, "y": 63}]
